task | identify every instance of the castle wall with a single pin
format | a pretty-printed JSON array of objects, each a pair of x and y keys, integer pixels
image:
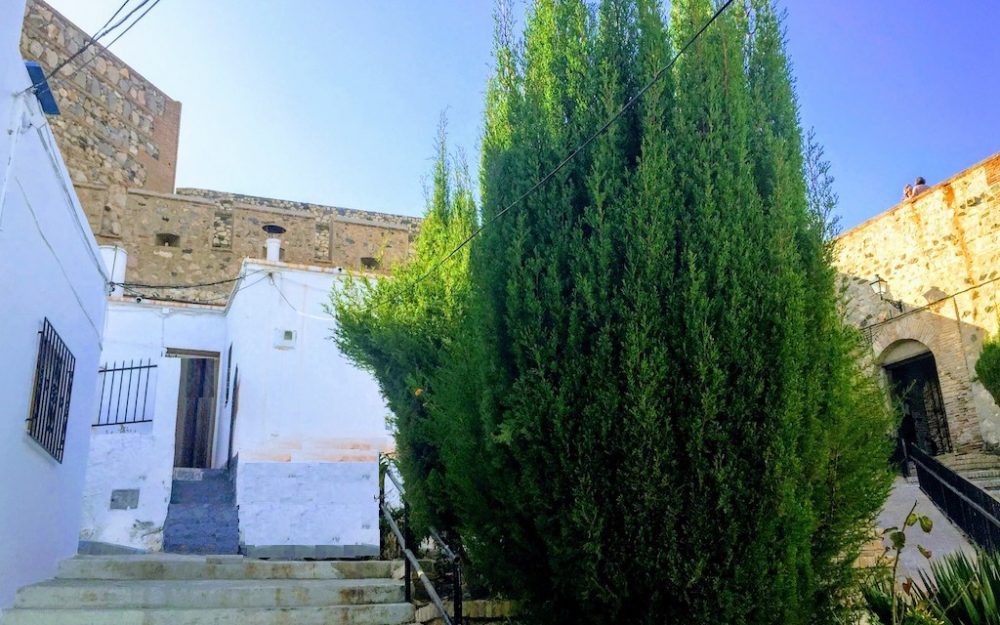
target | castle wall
[
  {"x": 115, "y": 127},
  {"x": 202, "y": 237},
  {"x": 118, "y": 134},
  {"x": 939, "y": 253}
]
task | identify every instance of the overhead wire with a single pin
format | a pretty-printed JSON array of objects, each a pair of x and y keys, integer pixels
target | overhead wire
[
  {"x": 187, "y": 286},
  {"x": 104, "y": 31},
  {"x": 112, "y": 42},
  {"x": 600, "y": 131},
  {"x": 207, "y": 300}
]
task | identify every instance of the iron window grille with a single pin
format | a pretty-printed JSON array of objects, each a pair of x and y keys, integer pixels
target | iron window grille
[
  {"x": 125, "y": 393},
  {"x": 50, "y": 399}
]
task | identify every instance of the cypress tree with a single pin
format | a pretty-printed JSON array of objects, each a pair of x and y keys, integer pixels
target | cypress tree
[
  {"x": 399, "y": 328},
  {"x": 647, "y": 407}
]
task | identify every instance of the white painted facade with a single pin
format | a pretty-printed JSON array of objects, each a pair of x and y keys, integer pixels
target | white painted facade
[
  {"x": 50, "y": 268},
  {"x": 308, "y": 428}
]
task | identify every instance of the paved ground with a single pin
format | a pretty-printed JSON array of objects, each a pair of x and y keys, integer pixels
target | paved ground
[{"x": 944, "y": 538}]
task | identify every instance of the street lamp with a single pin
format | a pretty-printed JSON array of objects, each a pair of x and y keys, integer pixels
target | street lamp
[{"x": 880, "y": 287}]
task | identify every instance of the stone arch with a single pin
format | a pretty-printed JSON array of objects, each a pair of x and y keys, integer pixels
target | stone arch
[
  {"x": 900, "y": 350},
  {"x": 926, "y": 331}
]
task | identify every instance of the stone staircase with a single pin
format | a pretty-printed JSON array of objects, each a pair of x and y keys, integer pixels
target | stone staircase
[
  {"x": 165, "y": 589},
  {"x": 982, "y": 469},
  {"x": 202, "y": 516}
]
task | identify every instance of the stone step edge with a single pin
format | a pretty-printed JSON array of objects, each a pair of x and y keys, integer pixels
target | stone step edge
[
  {"x": 214, "y": 594},
  {"x": 386, "y": 613}
]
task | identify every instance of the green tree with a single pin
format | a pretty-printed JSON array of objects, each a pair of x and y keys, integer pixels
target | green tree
[
  {"x": 643, "y": 405},
  {"x": 399, "y": 328}
]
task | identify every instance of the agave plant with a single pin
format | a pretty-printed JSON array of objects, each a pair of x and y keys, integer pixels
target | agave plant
[{"x": 963, "y": 590}]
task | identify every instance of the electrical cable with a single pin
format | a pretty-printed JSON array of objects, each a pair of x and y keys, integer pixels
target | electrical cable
[
  {"x": 187, "y": 286},
  {"x": 55, "y": 256},
  {"x": 292, "y": 306},
  {"x": 206, "y": 301},
  {"x": 600, "y": 131},
  {"x": 927, "y": 306},
  {"x": 100, "y": 34},
  {"x": 112, "y": 42}
]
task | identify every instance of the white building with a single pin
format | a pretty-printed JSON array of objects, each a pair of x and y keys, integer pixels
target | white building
[
  {"x": 52, "y": 307},
  {"x": 256, "y": 385}
]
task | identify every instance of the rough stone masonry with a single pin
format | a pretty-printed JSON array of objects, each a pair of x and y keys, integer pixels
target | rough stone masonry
[
  {"x": 939, "y": 254},
  {"x": 118, "y": 134}
]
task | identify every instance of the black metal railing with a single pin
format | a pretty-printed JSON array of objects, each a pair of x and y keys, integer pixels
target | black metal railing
[
  {"x": 51, "y": 396},
  {"x": 410, "y": 563},
  {"x": 972, "y": 509},
  {"x": 125, "y": 393}
]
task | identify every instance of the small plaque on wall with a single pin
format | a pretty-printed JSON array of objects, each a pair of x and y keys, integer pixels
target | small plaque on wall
[{"x": 126, "y": 499}]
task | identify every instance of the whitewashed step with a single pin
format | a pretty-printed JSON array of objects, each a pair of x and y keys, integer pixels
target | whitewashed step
[
  {"x": 384, "y": 614},
  {"x": 273, "y": 593},
  {"x": 170, "y": 566}
]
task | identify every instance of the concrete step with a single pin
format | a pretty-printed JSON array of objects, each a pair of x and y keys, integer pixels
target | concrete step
[
  {"x": 206, "y": 528},
  {"x": 197, "y": 475},
  {"x": 969, "y": 460},
  {"x": 226, "y": 593},
  {"x": 202, "y": 492},
  {"x": 382, "y": 614},
  {"x": 169, "y": 566},
  {"x": 980, "y": 474}
]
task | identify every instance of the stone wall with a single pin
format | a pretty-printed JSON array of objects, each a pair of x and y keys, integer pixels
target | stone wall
[
  {"x": 199, "y": 237},
  {"x": 118, "y": 135},
  {"x": 114, "y": 127},
  {"x": 939, "y": 254}
]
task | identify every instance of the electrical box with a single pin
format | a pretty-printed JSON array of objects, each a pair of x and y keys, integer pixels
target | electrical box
[{"x": 285, "y": 339}]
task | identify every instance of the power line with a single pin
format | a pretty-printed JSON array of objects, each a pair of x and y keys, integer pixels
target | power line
[
  {"x": 186, "y": 286},
  {"x": 600, "y": 131},
  {"x": 208, "y": 300},
  {"x": 872, "y": 326},
  {"x": 120, "y": 35},
  {"x": 100, "y": 34}
]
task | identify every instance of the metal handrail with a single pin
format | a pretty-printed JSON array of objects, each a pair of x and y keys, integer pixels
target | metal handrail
[
  {"x": 965, "y": 499},
  {"x": 411, "y": 560},
  {"x": 969, "y": 507}
]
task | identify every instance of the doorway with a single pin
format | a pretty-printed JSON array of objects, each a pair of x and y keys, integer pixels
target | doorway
[
  {"x": 914, "y": 384},
  {"x": 196, "y": 404}
]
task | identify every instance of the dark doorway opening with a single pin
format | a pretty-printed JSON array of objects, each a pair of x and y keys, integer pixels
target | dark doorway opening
[
  {"x": 196, "y": 411},
  {"x": 915, "y": 385}
]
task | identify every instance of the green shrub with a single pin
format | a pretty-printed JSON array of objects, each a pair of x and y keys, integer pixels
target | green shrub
[
  {"x": 988, "y": 367},
  {"x": 399, "y": 328}
]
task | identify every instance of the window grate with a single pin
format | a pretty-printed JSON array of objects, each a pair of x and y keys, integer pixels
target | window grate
[
  {"x": 125, "y": 393},
  {"x": 53, "y": 388}
]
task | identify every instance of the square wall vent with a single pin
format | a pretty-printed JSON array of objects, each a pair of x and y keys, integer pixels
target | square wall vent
[{"x": 285, "y": 339}]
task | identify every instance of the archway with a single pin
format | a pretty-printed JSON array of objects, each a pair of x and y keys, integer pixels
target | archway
[{"x": 913, "y": 382}]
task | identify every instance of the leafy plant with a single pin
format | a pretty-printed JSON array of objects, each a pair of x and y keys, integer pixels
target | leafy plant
[
  {"x": 964, "y": 590},
  {"x": 988, "y": 367}
]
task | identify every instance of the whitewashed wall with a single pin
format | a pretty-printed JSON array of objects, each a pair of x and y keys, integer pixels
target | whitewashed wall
[
  {"x": 141, "y": 456},
  {"x": 310, "y": 424},
  {"x": 49, "y": 268},
  {"x": 308, "y": 429}
]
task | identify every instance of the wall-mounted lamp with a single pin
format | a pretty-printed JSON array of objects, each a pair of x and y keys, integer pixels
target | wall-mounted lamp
[{"x": 880, "y": 287}]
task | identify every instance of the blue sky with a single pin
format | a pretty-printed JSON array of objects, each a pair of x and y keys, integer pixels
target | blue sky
[{"x": 336, "y": 101}]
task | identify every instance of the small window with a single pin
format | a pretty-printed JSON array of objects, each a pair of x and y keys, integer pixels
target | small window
[
  {"x": 369, "y": 262},
  {"x": 53, "y": 388},
  {"x": 164, "y": 239}
]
